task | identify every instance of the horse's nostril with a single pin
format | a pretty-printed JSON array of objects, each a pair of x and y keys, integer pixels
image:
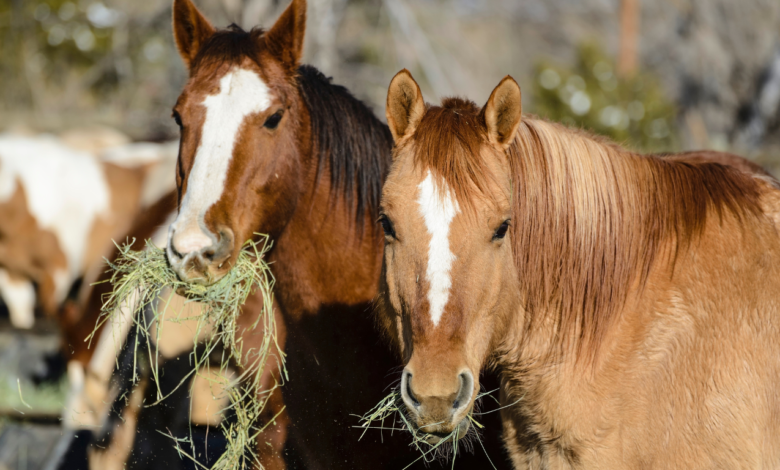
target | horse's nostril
[
  {"x": 224, "y": 245},
  {"x": 172, "y": 246},
  {"x": 175, "y": 252},
  {"x": 408, "y": 389},
  {"x": 464, "y": 394}
]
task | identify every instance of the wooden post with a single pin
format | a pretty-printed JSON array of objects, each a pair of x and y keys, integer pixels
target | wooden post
[{"x": 629, "y": 32}]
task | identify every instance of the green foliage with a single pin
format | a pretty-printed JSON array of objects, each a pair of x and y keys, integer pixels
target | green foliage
[
  {"x": 53, "y": 36},
  {"x": 632, "y": 111},
  {"x": 62, "y": 58}
]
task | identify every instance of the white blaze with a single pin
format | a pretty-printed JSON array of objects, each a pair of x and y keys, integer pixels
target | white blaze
[
  {"x": 438, "y": 207},
  {"x": 241, "y": 93}
]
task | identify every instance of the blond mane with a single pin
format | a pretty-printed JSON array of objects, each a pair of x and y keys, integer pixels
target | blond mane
[{"x": 590, "y": 218}]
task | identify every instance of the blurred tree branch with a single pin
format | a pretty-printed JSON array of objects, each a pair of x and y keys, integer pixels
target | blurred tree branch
[{"x": 629, "y": 32}]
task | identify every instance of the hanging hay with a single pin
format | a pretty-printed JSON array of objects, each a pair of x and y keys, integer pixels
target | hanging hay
[
  {"x": 140, "y": 280},
  {"x": 393, "y": 410}
]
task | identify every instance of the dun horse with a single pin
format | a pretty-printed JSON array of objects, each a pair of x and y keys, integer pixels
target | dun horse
[{"x": 629, "y": 301}]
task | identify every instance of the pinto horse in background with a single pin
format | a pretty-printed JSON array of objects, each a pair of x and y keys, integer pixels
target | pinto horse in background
[
  {"x": 60, "y": 208},
  {"x": 270, "y": 146},
  {"x": 630, "y": 301},
  {"x": 52, "y": 198}
]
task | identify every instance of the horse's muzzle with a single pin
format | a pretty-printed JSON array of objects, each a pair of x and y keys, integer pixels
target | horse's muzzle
[{"x": 204, "y": 264}]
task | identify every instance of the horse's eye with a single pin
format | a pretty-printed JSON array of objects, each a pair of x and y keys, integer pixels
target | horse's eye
[
  {"x": 387, "y": 226},
  {"x": 177, "y": 119},
  {"x": 501, "y": 230},
  {"x": 273, "y": 121}
]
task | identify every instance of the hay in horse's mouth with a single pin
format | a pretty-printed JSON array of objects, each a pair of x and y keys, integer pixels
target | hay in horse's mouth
[
  {"x": 432, "y": 446},
  {"x": 139, "y": 280}
]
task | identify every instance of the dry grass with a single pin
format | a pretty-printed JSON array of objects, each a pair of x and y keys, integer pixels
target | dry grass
[{"x": 139, "y": 281}]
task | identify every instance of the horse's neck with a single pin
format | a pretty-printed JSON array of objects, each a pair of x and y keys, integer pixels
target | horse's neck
[
  {"x": 326, "y": 255},
  {"x": 637, "y": 223},
  {"x": 558, "y": 399},
  {"x": 564, "y": 400}
]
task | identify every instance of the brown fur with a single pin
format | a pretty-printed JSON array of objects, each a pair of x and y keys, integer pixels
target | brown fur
[
  {"x": 632, "y": 308},
  {"x": 455, "y": 159},
  {"x": 29, "y": 251},
  {"x": 190, "y": 30},
  {"x": 406, "y": 93}
]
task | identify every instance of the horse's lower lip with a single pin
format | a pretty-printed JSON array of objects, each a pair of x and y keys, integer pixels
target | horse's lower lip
[{"x": 434, "y": 439}]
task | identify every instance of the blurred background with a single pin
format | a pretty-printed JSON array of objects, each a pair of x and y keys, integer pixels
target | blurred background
[{"x": 655, "y": 75}]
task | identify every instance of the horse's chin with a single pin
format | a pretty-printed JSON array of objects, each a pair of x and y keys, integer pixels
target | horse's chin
[{"x": 440, "y": 437}]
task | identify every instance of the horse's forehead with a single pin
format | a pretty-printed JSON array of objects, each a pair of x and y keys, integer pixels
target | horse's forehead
[
  {"x": 405, "y": 179},
  {"x": 241, "y": 77},
  {"x": 403, "y": 190},
  {"x": 240, "y": 91}
]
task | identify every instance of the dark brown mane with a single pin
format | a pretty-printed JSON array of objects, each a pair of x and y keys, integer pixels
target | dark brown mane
[
  {"x": 349, "y": 141},
  {"x": 588, "y": 218}
]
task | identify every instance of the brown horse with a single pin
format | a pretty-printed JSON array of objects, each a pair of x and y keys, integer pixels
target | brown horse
[
  {"x": 630, "y": 301},
  {"x": 270, "y": 146}
]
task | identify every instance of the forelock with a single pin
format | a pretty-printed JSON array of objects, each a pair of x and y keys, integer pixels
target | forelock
[
  {"x": 449, "y": 142},
  {"x": 229, "y": 46}
]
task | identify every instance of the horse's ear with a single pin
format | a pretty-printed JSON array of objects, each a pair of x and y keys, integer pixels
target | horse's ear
[
  {"x": 405, "y": 105},
  {"x": 503, "y": 112},
  {"x": 285, "y": 39},
  {"x": 190, "y": 29}
]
